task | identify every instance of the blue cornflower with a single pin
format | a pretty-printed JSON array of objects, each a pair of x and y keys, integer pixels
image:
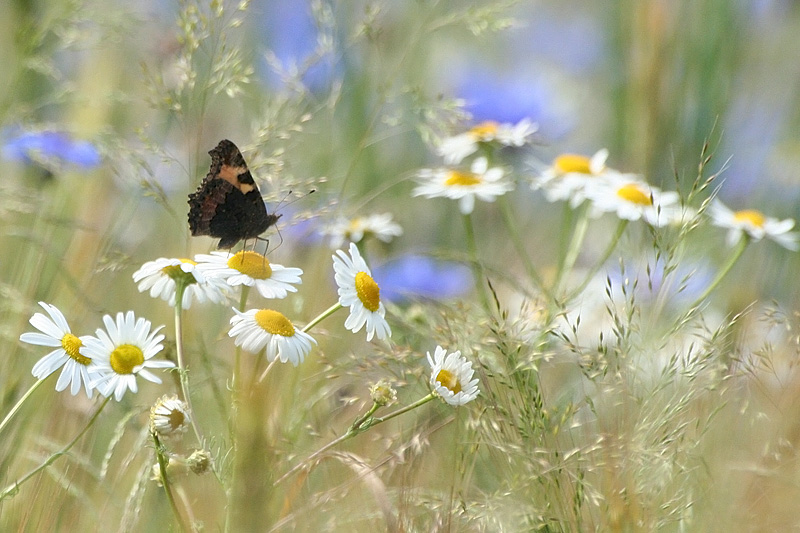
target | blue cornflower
[
  {"x": 420, "y": 276},
  {"x": 50, "y": 147}
]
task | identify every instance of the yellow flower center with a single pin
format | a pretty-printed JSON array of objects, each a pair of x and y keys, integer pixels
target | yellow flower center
[
  {"x": 462, "y": 178},
  {"x": 567, "y": 163},
  {"x": 449, "y": 380},
  {"x": 125, "y": 358},
  {"x": 72, "y": 346},
  {"x": 634, "y": 194},
  {"x": 353, "y": 226},
  {"x": 274, "y": 322},
  {"x": 368, "y": 291},
  {"x": 176, "y": 419},
  {"x": 752, "y": 216},
  {"x": 251, "y": 264},
  {"x": 485, "y": 129},
  {"x": 176, "y": 273}
]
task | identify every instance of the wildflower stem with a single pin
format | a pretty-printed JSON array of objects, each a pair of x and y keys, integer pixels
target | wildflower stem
[
  {"x": 12, "y": 489},
  {"x": 19, "y": 403},
  {"x": 402, "y": 410},
  {"x": 163, "y": 461},
  {"x": 612, "y": 245},
  {"x": 237, "y": 358},
  {"x": 571, "y": 256},
  {"x": 361, "y": 424},
  {"x": 236, "y": 392},
  {"x": 477, "y": 267},
  {"x": 322, "y": 316},
  {"x": 360, "y": 421},
  {"x": 734, "y": 257},
  {"x": 508, "y": 218},
  {"x": 264, "y": 374},
  {"x": 183, "y": 372}
]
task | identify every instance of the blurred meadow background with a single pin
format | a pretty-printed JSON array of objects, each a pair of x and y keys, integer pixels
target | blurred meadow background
[{"x": 633, "y": 376}]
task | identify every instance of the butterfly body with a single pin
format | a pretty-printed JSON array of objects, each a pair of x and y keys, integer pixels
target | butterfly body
[{"x": 228, "y": 204}]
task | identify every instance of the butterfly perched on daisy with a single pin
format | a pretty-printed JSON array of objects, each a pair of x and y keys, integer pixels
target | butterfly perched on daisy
[{"x": 228, "y": 204}]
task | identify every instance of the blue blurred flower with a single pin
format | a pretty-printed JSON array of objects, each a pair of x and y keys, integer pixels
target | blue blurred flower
[
  {"x": 50, "y": 147},
  {"x": 511, "y": 97},
  {"x": 526, "y": 76},
  {"x": 683, "y": 285},
  {"x": 574, "y": 43},
  {"x": 291, "y": 34},
  {"x": 420, "y": 276}
]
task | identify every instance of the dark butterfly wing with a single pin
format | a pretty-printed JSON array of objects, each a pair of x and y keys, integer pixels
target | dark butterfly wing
[{"x": 228, "y": 204}]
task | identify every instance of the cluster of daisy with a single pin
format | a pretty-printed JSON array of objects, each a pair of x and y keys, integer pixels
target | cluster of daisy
[
  {"x": 212, "y": 276},
  {"x": 109, "y": 362},
  {"x": 577, "y": 178},
  {"x": 478, "y": 179}
]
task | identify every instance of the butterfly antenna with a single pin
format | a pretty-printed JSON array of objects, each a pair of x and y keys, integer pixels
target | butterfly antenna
[{"x": 294, "y": 199}]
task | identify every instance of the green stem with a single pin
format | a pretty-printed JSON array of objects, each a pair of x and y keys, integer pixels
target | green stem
[
  {"x": 508, "y": 218},
  {"x": 163, "y": 461},
  {"x": 237, "y": 358},
  {"x": 264, "y": 374},
  {"x": 360, "y": 421},
  {"x": 735, "y": 255},
  {"x": 183, "y": 371},
  {"x": 362, "y": 424},
  {"x": 234, "y": 420},
  {"x": 322, "y": 316},
  {"x": 574, "y": 249},
  {"x": 407, "y": 408},
  {"x": 477, "y": 267},
  {"x": 612, "y": 245},
  {"x": 12, "y": 489},
  {"x": 19, "y": 403}
]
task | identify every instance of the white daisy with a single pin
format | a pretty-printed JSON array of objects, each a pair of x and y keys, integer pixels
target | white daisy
[
  {"x": 755, "y": 224},
  {"x": 169, "y": 416},
  {"x": 354, "y": 229},
  {"x": 160, "y": 277},
  {"x": 451, "y": 377},
  {"x": 566, "y": 178},
  {"x": 481, "y": 181},
  {"x": 77, "y": 369},
  {"x": 123, "y": 351},
  {"x": 634, "y": 200},
  {"x": 454, "y": 149},
  {"x": 258, "y": 328},
  {"x": 359, "y": 292},
  {"x": 251, "y": 269}
]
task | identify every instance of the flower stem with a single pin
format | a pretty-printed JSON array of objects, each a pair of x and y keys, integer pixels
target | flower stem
[
  {"x": 477, "y": 267},
  {"x": 14, "y": 488},
  {"x": 508, "y": 218},
  {"x": 163, "y": 461},
  {"x": 264, "y": 374},
  {"x": 612, "y": 245},
  {"x": 183, "y": 371},
  {"x": 19, "y": 403},
  {"x": 407, "y": 408},
  {"x": 732, "y": 259},
  {"x": 363, "y": 423},
  {"x": 236, "y": 394},
  {"x": 571, "y": 256},
  {"x": 322, "y": 316}
]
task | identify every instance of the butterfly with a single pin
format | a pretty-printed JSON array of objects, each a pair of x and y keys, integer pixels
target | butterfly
[{"x": 228, "y": 204}]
